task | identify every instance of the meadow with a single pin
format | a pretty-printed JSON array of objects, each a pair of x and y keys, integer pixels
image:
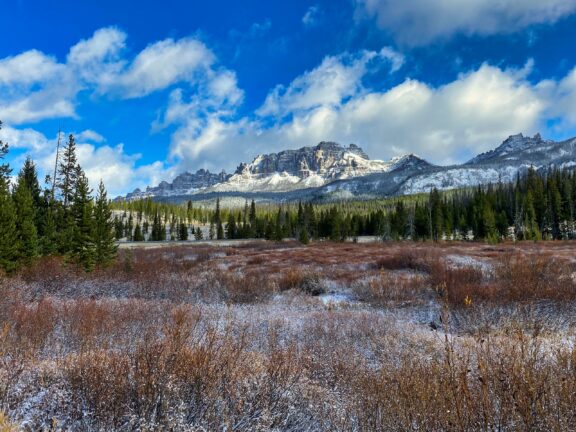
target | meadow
[{"x": 280, "y": 336}]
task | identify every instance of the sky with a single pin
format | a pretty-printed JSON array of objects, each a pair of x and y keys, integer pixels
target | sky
[{"x": 153, "y": 89}]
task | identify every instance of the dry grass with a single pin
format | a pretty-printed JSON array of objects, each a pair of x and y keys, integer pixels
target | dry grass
[{"x": 237, "y": 339}]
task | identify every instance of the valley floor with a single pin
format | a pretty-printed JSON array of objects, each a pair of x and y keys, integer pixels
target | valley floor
[{"x": 286, "y": 337}]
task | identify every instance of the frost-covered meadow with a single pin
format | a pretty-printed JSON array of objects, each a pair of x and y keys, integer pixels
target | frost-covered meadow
[{"x": 280, "y": 336}]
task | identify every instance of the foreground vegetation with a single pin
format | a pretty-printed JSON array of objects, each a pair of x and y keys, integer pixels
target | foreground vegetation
[{"x": 332, "y": 336}]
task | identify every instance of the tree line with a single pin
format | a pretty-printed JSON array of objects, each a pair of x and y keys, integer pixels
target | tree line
[
  {"x": 63, "y": 219},
  {"x": 535, "y": 206}
]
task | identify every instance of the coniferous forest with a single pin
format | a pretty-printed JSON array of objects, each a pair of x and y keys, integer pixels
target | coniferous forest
[
  {"x": 64, "y": 218},
  {"x": 536, "y": 206}
]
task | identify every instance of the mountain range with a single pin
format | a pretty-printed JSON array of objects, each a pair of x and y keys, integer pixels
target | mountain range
[{"x": 331, "y": 171}]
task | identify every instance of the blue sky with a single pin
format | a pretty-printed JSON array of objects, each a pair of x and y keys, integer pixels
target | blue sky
[{"x": 152, "y": 89}]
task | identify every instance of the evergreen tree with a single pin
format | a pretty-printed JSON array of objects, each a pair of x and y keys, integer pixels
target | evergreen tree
[
  {"x": 29, "y": 177},
  {"x": 231, "y": 227},
  {"x": 211, "y": 232},
  {"x": 218, "y": 221},
  {"x": 198, "y": 234},
  {"x": 5, "y": 170},
  {"x": 83, "y": 247},
  {"x": 118, "y": 228},
  {"x": 182, "y": 231},
  {"x": 156, "y": 234},
  {"x": 303, "y": 236},
  {"x": 9, "y": 244},
  {"x": 25, "y": 221},
  {"x": 49, "y": 240},
  {"x": 138, "y": 236},
  {"x": 68, "y": 171},
  {"x": 105, "y": 248}
]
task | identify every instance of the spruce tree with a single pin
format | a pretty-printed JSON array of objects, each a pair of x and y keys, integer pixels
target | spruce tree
[
  {"x": 25, "y": 221},
  {"x": 231, "y": 227},
  {"x": 68, "y": 171},
  {"x": 105, "y": 248},
  {"x": 4, "y": 168},
  {"x": 29, "y": 176},
  {"x": 182, "y": 231},
  {"x": 49, "y": 238},
  {"x": 198, "y": 234},
  {"x": 83, "y": 247},
  {"x": 218, "y": 221},
  {"x": 138, "y": 236},
  {"x": 211, "y": 232},
  {"x": 9, "y": 246}
]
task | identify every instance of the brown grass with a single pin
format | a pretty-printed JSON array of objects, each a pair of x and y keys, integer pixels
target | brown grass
[{"x": 220, "y": 339}]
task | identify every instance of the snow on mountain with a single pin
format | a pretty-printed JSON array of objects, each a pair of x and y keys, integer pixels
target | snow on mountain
[
  {"x": 331, "y": 170},
  {"x": 184, "y": 184},
  {"x": 307, "y": 167}
]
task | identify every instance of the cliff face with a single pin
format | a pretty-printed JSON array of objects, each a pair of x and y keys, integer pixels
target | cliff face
[{"x": 325, "y": 158}]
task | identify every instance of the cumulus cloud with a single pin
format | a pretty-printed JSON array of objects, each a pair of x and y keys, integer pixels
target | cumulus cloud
[
  {"x": 119, "y": 170},
  {"x": 337, "y": 78},
  {"x": 419, "y": 22},
  {"x": 445, "y": 124},
  {"x": 28, "y": 68},
  {"x": 35, "y": 86}
]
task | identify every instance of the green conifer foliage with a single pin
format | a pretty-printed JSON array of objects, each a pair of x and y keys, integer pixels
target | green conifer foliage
[{"x": 105, "y": 248}]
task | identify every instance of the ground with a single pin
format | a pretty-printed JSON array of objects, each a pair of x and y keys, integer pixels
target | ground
[{"x": 282, "y": 336}]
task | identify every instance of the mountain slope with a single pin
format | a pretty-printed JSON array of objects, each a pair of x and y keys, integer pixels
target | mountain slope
[
  {"x": 330, "y": 171},
  {"x": 308, "y": 167}
]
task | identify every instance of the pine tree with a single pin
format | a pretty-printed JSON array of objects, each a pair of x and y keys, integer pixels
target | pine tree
[
  {"x": 49, "y": 238},
  {"x": 83, "y": 247},
  {"x": 25, "y": 221},
  {"x": 68, "y": 171},
  {"x": 211, "y": 232},
  {"x": 156, "y": 234},
  {"x": 138, "y": 236},
  {"x": 182, "y": 231},
  {"x": 29, "y": 176},
  {"x": 303, "y": 236},
  {"x": 231, "y": 227},
  {"x": 8, "y": 234},
  {"x": 105, "y": 248},
  {"x": 9, "y": 245},
  {"x": 198, "y": 234},
  {"x": 218, "y": 221},
  {"x": 5, "y": 170},
  {"x": 118, "y": 228}
]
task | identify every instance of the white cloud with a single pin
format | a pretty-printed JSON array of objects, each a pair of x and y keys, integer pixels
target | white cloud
[
  {"x": 91, "y": 136},
  {"x": 119, "y": 171},
  {"x": 419, "y": 22},
  {"x": 337, "y": 78},
  {"x": 161, "y": 65},
  {"x": 35, "y": 86},
  {"x": 28, "y": 68},
  {"x": 445, "y": 124}
]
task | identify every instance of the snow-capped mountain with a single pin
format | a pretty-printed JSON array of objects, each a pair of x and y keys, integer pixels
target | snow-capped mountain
[
  {"x": 307, "y": 167},
  {"x": 331, "y": 171},
  {"x": 185, "y": 184},
  {"x": 515, "y": 155}
]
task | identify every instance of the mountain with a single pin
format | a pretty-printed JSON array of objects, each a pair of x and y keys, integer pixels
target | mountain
[
  {"x": 330, "y": 171},
  {"x": 184, "y": 184},
  {"x": 307, "y": 167},
  {"x": 515, "y": 155}
]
